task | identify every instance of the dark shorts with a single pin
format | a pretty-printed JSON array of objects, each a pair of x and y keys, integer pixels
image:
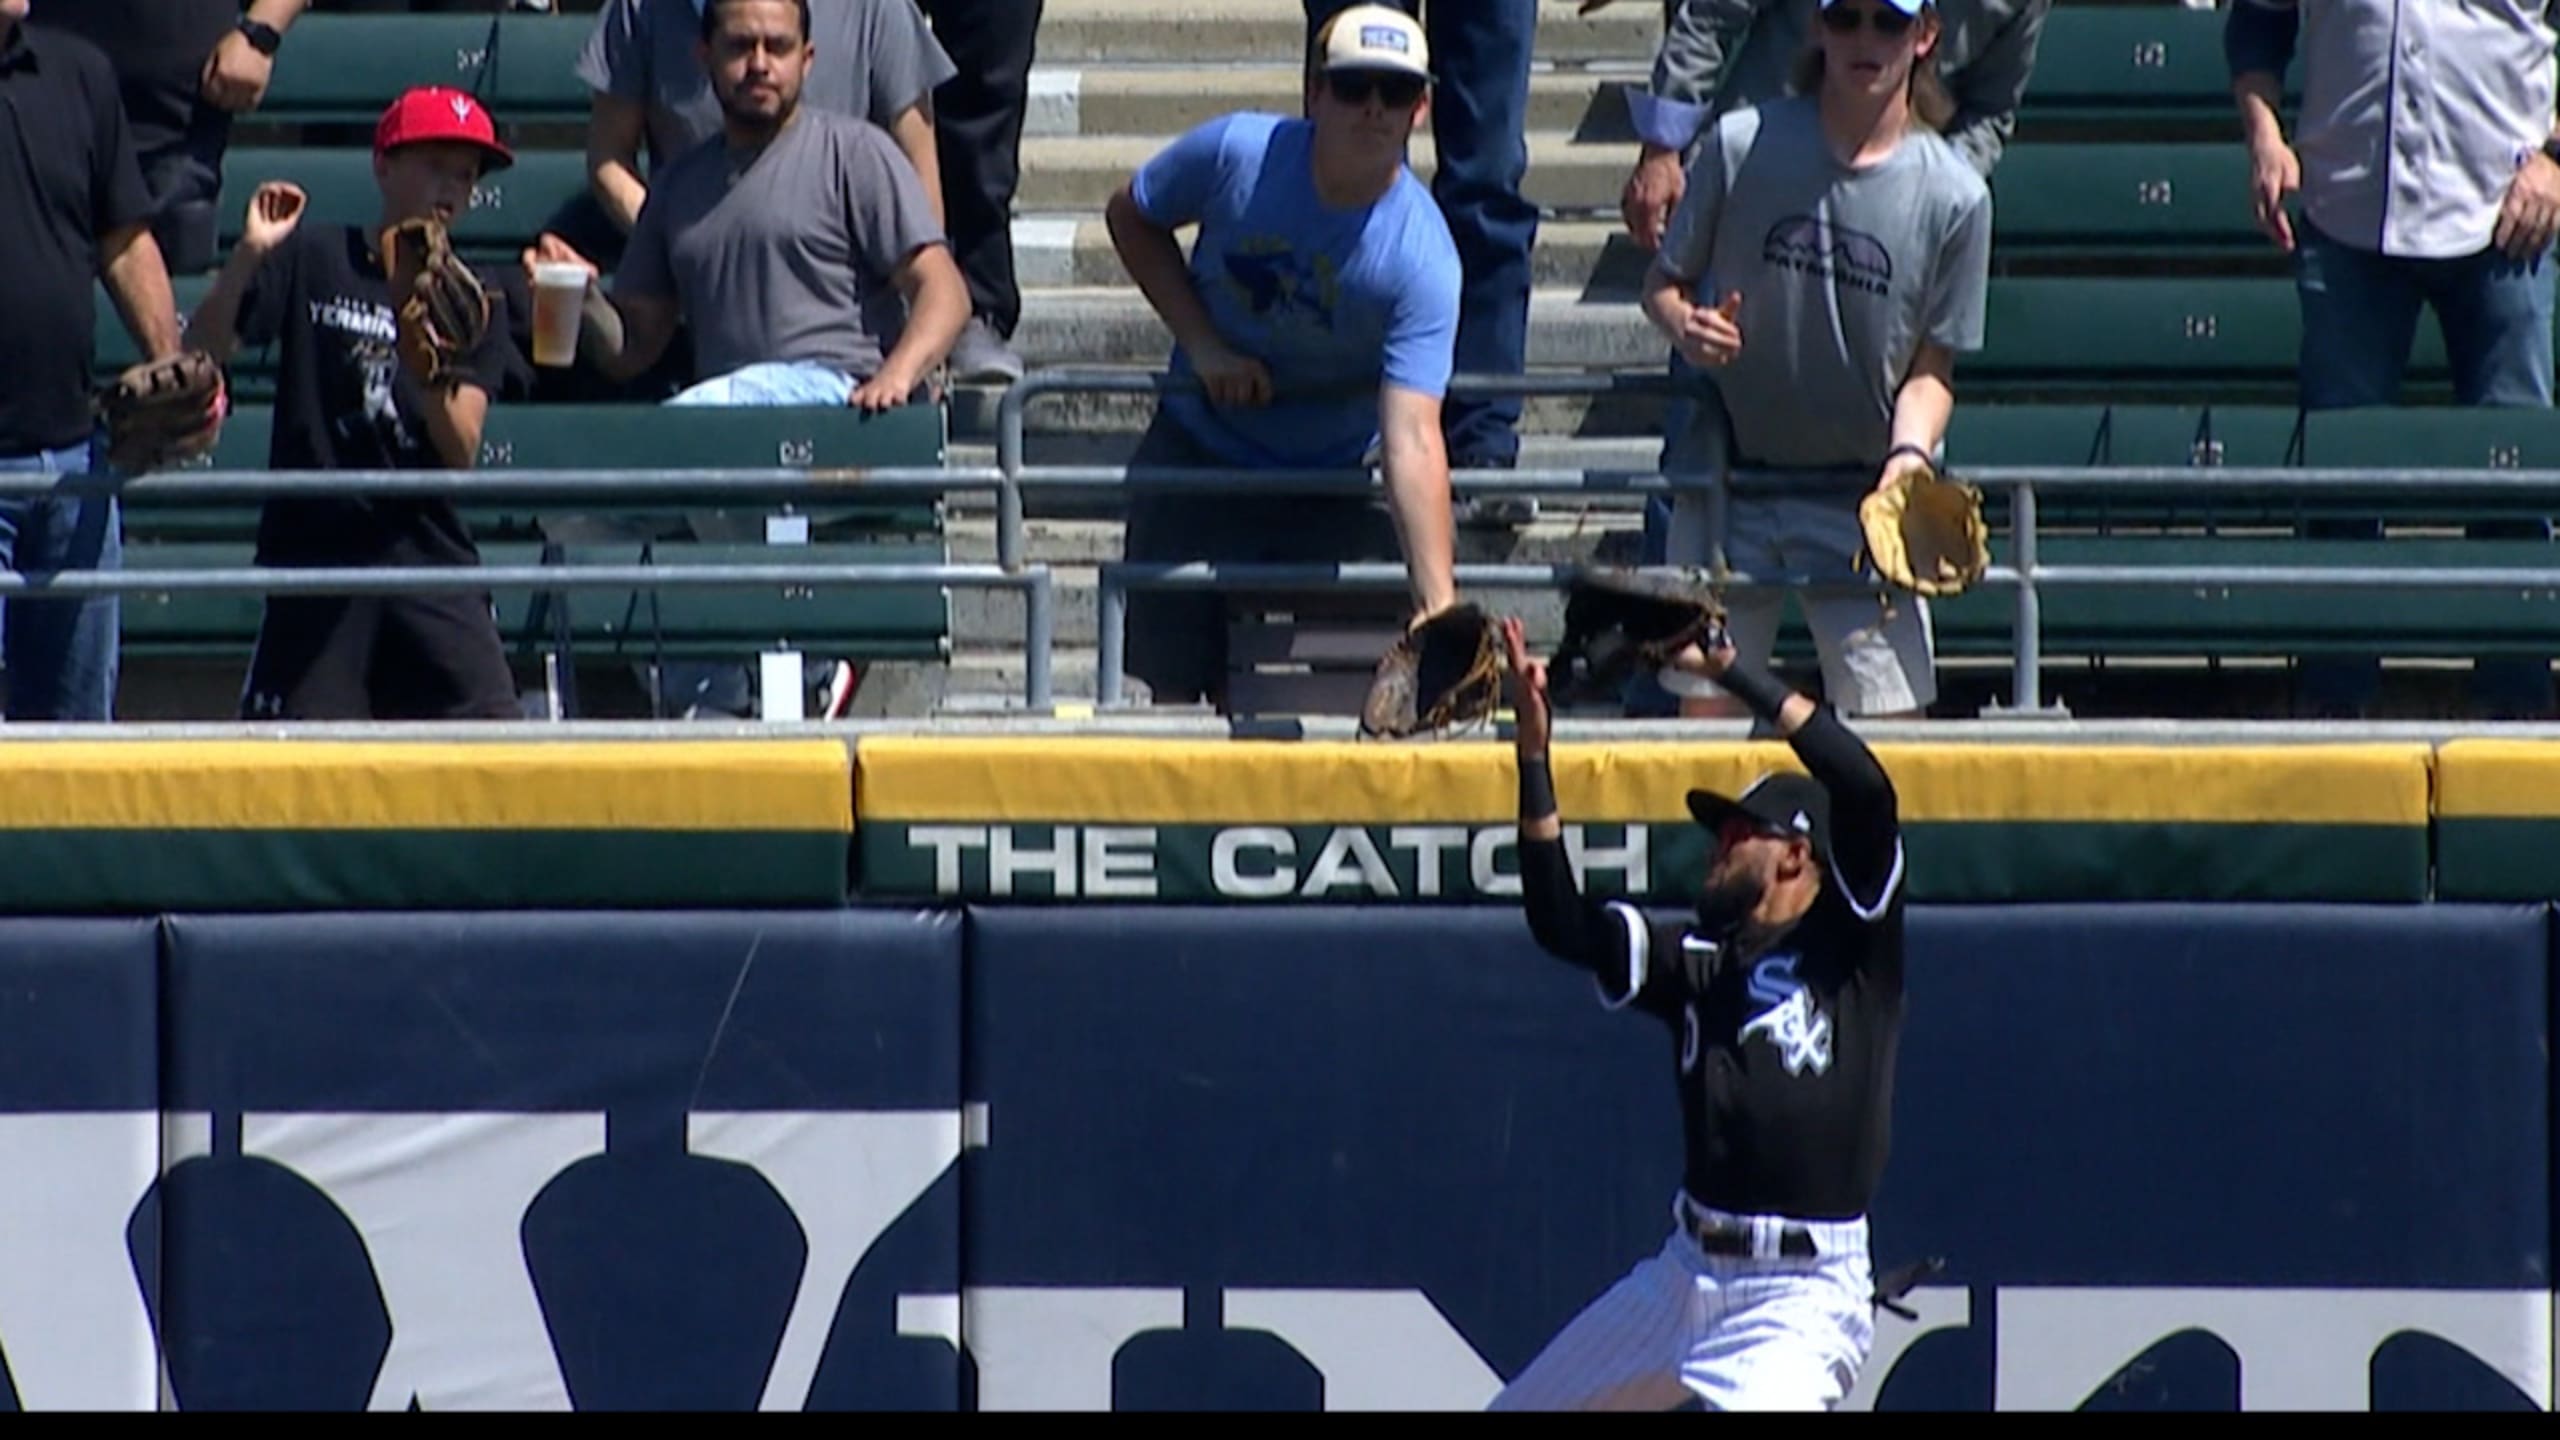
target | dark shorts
[
  {"x": 1177, "y": 639},
  {"x": 379, "y": 657}
]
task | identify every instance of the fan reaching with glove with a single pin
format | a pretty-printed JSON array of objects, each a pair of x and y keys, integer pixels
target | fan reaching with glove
[
  {"x": 163, "y": 412},
  {"x": 1924, "y": 531}
]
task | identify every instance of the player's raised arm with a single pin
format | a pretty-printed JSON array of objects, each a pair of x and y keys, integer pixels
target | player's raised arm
[
  {"x": 1610, "y": 939},
  {"x": 1865, "y": 813}
]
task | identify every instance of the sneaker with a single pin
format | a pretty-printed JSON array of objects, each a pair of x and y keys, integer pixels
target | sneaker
[{"x": 980, "y": 356}]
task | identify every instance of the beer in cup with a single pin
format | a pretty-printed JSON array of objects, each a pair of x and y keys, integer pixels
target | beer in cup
[{"x": 559, "y": 303}]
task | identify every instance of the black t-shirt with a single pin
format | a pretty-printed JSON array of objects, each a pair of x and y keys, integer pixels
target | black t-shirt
[
  {"x": 1782, "y": 1046},
  {"x": 159, "y": 48},
  {"x": 345, "y": 402},
  {"x": 69, "y": 177}
]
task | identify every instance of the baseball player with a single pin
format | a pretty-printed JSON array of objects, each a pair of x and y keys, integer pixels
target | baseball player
[{"x": 1783, "y": 1000}]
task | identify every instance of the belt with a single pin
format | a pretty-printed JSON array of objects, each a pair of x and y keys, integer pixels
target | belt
[{"x": 1718, "y": 1236}]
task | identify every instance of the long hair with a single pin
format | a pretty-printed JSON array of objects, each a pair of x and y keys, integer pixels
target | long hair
[{"x": 1931, "y": 106}]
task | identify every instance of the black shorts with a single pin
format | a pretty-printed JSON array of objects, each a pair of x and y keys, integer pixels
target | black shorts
[{"x": 379, "y": 657}]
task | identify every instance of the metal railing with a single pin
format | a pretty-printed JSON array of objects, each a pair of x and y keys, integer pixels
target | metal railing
[
  {"x": 2024, "y": 573},
  {"x": 622, "y": 489},
  {"x": 1012, "y": 477}
]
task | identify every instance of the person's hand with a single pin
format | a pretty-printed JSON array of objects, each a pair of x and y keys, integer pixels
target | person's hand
[
  {"x": 275, "y": 208},
  {"x": 2530, "y": 214},
  {"x": 1712, "y": 335},
  {"x": 550, "y": 249},
  {"x": 1899, "y": 462},
  {"x": 1231, "y": 379},
  {"x": 2274, "y": 173},
  {"x": 1652, "y": 195},
  {"x": 886, "y": 390},
  {"x": 235, "y": 75},
  {"x": 1528, "y": 690}
]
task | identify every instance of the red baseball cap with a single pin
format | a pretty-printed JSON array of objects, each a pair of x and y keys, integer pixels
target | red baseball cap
[{"x": 440, "y": 112}]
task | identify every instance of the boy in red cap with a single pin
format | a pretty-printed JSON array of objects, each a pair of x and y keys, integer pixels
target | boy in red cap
[{"x": 345, "y": 401}]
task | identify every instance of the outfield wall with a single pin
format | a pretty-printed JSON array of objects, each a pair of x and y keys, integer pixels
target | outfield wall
[{"x": 1171, "y": 1152}]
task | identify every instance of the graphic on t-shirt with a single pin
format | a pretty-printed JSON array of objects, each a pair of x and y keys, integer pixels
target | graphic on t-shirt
[
  {"x": 370, "y": 335},
  {"x": 1800, "y": 1033},
  {"x": 1276, "y": 283},
  {"x": 1810, "y": 245}
]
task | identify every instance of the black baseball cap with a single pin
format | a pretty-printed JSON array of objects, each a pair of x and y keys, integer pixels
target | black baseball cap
[{"x": 1781, "y": 802}]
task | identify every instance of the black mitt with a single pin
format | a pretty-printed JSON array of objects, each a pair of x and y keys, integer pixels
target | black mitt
[
  {"x": 1617, "y": 622},
  {"x": 1443, "y": 672},
  {"x": 163, "y": 412}
]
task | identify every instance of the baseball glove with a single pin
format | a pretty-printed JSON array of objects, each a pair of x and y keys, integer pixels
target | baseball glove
[
  {"x": 1443, "y": 672},
  {"x": 1925, "y": 533},
  {"x": 443, "y": 308},
  {"x": 1617, "y": 622},
  {"x": 163, "y": 412}
]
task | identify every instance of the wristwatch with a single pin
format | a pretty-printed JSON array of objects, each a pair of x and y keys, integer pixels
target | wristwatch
[{"x": 263, "y": 37}]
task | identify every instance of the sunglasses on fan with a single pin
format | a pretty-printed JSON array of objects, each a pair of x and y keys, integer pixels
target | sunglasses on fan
[
  {"x": 1354, "y": 87},
  {"x": 1887, "y": 22}
]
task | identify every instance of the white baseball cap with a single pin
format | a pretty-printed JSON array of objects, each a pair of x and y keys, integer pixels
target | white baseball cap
[
  {"x": 1373, "y": 37},
  {"x": 1907, "y": 7}
]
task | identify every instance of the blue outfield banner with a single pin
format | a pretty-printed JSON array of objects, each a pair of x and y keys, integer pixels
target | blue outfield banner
[{"x": 2177, "y": 1158}]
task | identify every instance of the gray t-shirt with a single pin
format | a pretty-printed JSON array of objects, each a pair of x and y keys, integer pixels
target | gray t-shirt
[
  {"x": 784, "y": 253},
  {"x": 1842, "y": 272},
  {"x": 875, "y": 59}
]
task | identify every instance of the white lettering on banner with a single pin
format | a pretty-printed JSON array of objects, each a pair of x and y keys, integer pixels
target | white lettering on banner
[
  {"x": 1428, "y": 843},
  {"x": 1488, "y": 877},
  {"x": 1377, "y": 1349},
  {"x": 1112, "y": 870},
  {"x": 1229, "y": 879},
  {"x": 77, "y": 1334},
  {"x": 1050, "y": 1347},
  {"x": 440, "y": 1202},
  {"x": 1632, "y": 860},
  {"x": 1007, "y": 858},
  {"x": 946, "y": 842},
  {"x": 848, "y": 1177},
  {"x": 2298, "y": 1349},
  {"x": 1329, "y": 873}
]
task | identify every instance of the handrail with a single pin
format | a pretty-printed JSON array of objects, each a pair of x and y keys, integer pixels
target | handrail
[{"x": 2027, "y": 576}]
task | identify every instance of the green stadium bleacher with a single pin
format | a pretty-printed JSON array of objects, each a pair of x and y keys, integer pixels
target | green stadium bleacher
[
  {"x": 2127, "y": 66},
  {"x": 342, "y": 69},
  {"x": 2124, "y": 201},
  {"x": 900, "y": 623},
  {"x": 508, "y": 208}
]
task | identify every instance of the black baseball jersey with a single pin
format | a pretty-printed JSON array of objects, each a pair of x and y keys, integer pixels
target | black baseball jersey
[
  {"x": 345, "y": 402},
  {"x": 1782, "y": 1044}
]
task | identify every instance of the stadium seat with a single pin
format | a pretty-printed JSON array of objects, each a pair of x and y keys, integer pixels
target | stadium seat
[
  {"x": 344, "y": 68},
  {"x": 2117, "y": 201},
  {"x": 507, "y": 209},
  {"x": 2129, "y": 65}
]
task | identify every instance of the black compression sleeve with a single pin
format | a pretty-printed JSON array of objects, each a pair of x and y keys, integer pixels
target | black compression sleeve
[
  {"x": 1537, "y": 788},
  {"x": 1756, "y": 688},
  {"x": 1563, "y": 922}
]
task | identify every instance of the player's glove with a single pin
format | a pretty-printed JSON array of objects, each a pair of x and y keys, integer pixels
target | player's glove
[
  {"x": 1925, "y": 533},
  {"x": 163, "y": 412},
  {"x": 442, "y": 308},
  {"x": 1443, "y": 672},
  {"x": 1617, "y": 622}
]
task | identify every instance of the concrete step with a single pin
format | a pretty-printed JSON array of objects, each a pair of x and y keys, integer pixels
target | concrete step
[
  {"x": 1129, "y": 414},
  {"x": 1094, "y": 326},
  {"x": 1068, "y": 100},
  {"x": 1593, "y": 256},
  {"x": 1075, "y": 174},
  {"x": 1189, "y": 32}
]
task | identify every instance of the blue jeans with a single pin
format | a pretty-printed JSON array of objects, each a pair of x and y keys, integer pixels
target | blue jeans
[
  {"x": 1479, "y": 119},
  {"x": 774, "y": 382},
  {"x": 60, "y": 654},
  {"x": 2359, "y": 320}
]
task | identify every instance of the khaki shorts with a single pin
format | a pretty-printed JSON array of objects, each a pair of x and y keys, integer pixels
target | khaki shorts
[{"x": 1875, "y": 660}]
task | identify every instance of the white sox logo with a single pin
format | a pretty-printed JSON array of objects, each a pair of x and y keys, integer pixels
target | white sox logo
[{"x": 1800, "y": 1033}]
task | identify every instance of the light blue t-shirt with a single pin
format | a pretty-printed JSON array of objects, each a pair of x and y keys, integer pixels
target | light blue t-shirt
[{"x": 1324, "y": 298}]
